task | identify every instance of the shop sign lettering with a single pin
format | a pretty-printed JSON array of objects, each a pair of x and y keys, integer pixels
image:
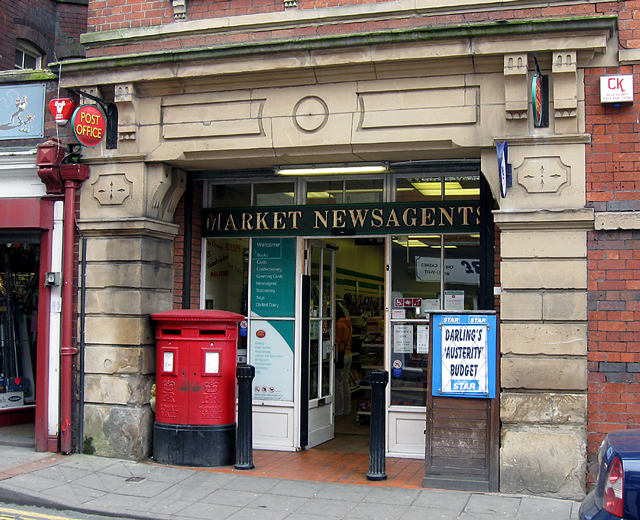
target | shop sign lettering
[
  {"x": 89, "y": 125},
  {"x": 359, "y": 219}
]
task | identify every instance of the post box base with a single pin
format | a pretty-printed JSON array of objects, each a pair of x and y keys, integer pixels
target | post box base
[{"x": 194, "y": 445}]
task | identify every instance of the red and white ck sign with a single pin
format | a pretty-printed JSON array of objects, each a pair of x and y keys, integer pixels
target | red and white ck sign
[
  {"x": 61, "y": 109},
  {"x": 616, "y": 89}
]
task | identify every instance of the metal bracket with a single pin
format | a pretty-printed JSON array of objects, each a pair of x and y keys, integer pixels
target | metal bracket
[{"x": 110, "y": 112}]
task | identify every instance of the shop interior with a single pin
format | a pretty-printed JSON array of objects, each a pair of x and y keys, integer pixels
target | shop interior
[
  {"x": 19, "y": 264},
  {"x": 359, "y": 288}
]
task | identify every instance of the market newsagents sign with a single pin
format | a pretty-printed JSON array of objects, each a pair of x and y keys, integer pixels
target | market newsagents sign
[{"x": 356, "y": 219}]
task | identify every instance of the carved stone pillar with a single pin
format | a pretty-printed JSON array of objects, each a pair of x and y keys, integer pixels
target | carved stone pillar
[{"x": 126, "y": 213}]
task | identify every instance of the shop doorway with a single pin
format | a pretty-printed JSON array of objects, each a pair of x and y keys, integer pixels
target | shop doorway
[
  {"x": 347, "y": 285},
  {"x": 19, "y": 269}
]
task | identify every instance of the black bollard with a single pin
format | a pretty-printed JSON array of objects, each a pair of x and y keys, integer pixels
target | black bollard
[
  {"x": 379, "y": 380},
  {"x": 244, "y": 436}
]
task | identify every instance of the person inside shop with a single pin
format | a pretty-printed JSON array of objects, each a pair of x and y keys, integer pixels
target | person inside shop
[{"x": 344, "y": 332}]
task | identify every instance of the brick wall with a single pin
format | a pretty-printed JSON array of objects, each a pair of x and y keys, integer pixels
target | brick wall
[
  {"x": 55, "y": 30},
  {"x": 614, "y": 336},
  {"x": 194, "y": 206},
  {"x": 18, "y": 21},
  {"x": 70, "y": 23},
  {"x": 105, "y": 15},
  {"x": 613, "y": 185}
]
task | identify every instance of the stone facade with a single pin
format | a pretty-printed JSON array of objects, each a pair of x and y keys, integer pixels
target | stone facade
[{"x": 197, "y": 95}]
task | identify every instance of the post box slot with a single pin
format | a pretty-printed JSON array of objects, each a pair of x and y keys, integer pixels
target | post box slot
[
  {"x": 172, "y": 332},
  {"x": 213, "y": 332}
]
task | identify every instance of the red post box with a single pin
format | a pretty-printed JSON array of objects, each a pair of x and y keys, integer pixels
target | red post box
[{"x": 195, "y": 387}]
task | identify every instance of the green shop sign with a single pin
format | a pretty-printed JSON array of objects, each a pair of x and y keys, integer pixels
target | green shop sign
[{"x": 356, "y": 219}]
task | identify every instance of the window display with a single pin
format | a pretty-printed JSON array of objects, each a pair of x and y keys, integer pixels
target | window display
[{"x": 19, "y": 264}]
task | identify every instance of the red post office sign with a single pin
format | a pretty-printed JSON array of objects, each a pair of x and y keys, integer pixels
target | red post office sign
[{"x": 89, "y": 125}]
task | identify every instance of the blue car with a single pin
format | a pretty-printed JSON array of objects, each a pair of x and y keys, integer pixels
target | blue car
[{"x": 617, "y": 492}]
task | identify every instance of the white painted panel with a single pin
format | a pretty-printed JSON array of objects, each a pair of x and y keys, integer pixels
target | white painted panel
[
  {"x": 406, "y": 434},
  {"x": 273, "y": 427},
  {"x": 19, "y": 175},
  {"x": 321, "y": 424},
  {"x": 55, "y": 324}
]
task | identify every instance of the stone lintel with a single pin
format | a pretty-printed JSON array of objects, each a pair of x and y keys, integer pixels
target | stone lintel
[
  {"x": 610, "y": 221},
  {"x": 127, "y": 227},
  {"x": 586, "y": 34},
  {"x": 544, "y": 219}
]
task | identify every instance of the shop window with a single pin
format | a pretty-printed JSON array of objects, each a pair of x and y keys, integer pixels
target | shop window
[
  {"x": 226, "y": 274},
  {"x": 274, "y": 194},
  {"x": 419, "y": 188},
  {"x": 252, "y": 194},
  {"x": 462, "y": 188},
  {"x": 27, "y": 56},
  {"x": 462, "y": 274},
  {"x": 412, "y": 189},
  {"x": 346, "y": 191},
  {"x": 419, "y": 284},
  {"x": 19, "y": 269},
  {"x": 230, "y": 196}
]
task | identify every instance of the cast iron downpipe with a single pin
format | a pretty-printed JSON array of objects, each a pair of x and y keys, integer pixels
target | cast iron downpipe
[{"x": 72, "y": 175}]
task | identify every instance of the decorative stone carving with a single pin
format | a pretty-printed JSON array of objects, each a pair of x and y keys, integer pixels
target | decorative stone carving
[
  {"x": 565, "y": 86},
  {"x": 516, "y": 102},
  {"x": 179, "y": 10},
  {"x": 165, "y": 187},
  {"x": 126, "y": 100},
  {"x": 543, "y": 174},
  {"x": 310, "y": 114},
  {"x": 112, "y": 189}
]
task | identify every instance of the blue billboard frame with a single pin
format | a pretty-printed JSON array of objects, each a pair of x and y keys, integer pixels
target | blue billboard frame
[
  {"x": 465, "y": 344},
  {"x": 22, "y": 111}
]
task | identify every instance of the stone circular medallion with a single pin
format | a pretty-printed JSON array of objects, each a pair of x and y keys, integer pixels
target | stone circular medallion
[{"x": 310, "y": 114}]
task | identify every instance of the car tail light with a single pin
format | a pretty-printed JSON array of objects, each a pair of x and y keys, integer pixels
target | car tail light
[{"x": 614, "y": 488}]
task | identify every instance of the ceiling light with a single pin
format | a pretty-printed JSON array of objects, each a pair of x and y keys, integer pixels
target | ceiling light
[{"x": 333, "y": 169}]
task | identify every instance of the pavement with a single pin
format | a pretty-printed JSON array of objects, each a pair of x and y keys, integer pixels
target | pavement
[{"x": 147, "y": 490}]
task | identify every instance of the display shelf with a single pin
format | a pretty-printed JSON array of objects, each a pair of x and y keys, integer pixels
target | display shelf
[{"x": 371, "y": 358}]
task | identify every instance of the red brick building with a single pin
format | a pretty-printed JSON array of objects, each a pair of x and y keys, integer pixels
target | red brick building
[
  {"x": 217, "y": 99},
  {"x": 613, "y": 185},
  {"x": 34, "y": 34}
]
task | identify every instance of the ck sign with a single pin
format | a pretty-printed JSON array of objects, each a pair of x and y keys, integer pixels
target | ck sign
[{"x": 616, "y": 89}]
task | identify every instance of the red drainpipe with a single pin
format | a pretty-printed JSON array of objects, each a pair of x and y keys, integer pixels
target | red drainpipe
[{"x": 72, "y": 175}]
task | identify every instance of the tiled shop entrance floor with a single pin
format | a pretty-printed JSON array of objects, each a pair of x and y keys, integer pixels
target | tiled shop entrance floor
[{"x": 327, "y": 466}]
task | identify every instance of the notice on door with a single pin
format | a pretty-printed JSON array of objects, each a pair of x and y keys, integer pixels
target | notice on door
[
  {"x": 273, "y": 270},
  {"x": 464, "y": 355}
]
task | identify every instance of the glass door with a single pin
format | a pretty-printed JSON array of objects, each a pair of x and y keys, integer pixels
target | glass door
[{"x": 320, "y": 266}]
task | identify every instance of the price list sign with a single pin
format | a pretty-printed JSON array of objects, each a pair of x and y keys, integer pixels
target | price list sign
[{"x": 273, "y": 270}]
